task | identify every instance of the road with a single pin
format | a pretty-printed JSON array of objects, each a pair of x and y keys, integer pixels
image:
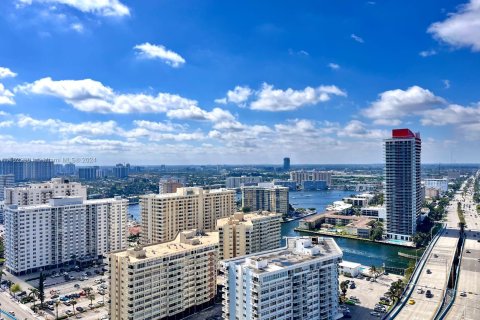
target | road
[
  {"x": 439, "y": 262},
  {"x": 8, "y": 305},
  {"x": 468, "y": 306}
]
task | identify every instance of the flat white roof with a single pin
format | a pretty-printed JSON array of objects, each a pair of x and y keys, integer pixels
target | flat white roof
[{"x": 348, "y": 264}]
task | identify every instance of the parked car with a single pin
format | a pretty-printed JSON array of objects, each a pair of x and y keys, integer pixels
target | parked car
[
  {"x": 463, "y": 294},
  {"x": 420, "y": 290},
  {"x": 429, "y": 271},
  {"x": 76, "y": 285},
  {"x": 429, "y": 294},
  {"x": 80, "y": 309}
]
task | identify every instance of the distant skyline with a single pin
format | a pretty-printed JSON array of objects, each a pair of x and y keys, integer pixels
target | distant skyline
[{"x": 222, "y": 82}]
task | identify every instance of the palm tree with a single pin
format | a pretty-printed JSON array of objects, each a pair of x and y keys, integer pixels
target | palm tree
[
  {"x": 73, "y": 302},
  {"x": 344, "y": 287},
  {"x": 33, "y": 294},
  {"x": 57, "y": 303},
  {"x": 91, "y": 297}
]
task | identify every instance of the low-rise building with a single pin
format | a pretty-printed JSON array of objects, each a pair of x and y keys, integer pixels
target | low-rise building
[
  {"x": 432, "y": 193},
  {"x": 168, "y": 280},
  {"x": 378, "y": 212},
  {"x": 439, "y": 184},
  {"x": 299, "y": 281},
  {"x": 243, "y": 234},
  {"x": 350, "y": 269}
]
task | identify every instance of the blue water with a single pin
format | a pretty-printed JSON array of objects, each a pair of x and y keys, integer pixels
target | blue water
[{"x": 362, "y": 252}]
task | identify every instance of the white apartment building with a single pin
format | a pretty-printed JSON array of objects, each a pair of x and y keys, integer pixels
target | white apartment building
[
  {"x": 272, "y": 198},
  {"x": 168, "y": 280},
  {"x": 64, "y": 229},
  {"x": 237, "y": 182},
  {"x": 243, "y": 234},
  {"x": 41, "y": 193},
  {"x": 378, "y": 212},
  {"x": 164, "y": 215},
  {"x": 439, "y": 184},
  {"x": 6, "y": 181},
  {"x": 311, "y": 175},
  {"x": 299, "y": 281}
]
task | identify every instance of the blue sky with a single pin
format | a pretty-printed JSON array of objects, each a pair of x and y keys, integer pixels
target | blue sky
[{"x": 211, "y": 82}]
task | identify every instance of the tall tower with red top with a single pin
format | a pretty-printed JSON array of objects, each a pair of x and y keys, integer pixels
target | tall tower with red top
[{"x": 403, "y": 193}]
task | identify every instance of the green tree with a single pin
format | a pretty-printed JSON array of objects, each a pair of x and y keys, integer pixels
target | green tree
[
  {"x": 41, "y": 289},
  {"x": 15, "y": 287},
  {"x": 344, "y": 288},
  {"x": 91, "y": 297},
  {"x": 33, "y": 295},
  {"x": 73, "y": 302},
  {"x": 57, "y": 303}
]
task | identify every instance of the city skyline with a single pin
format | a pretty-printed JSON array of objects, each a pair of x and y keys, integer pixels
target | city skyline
[{"x": 196, "y": 83}]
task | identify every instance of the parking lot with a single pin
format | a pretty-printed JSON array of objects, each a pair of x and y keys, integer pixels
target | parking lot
[
  {"x": 368, "y": 294},
  {"x": 81, "y": 293}
]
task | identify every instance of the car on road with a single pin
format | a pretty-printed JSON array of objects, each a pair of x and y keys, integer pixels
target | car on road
[
  {"x": 375, "y": 314},
  {"x": 429, "y": 294}
]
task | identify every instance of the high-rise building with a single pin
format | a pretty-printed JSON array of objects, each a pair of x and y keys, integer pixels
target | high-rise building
[
  {"x": 88, "y": 173},
  {"x": 299, "y": 281},
  {"x": 243, "y": 234},
  {"x": 120, "y": 171},
  {"x": 237, "y": 182},
  {"x": 311, "y": 175},
  {"x": 41, "y": 193},
  {"x": 170, "y": 280},
  {"x": 169, "y": 186},
  {"x": 164, "y": 215},
  {"x": 274, "y": 199},
  {"x": 6, "y": 181},
  {"x": 28, "y": 169},
  {"x": 286, "y": 164},
  {"x": 49, "y": 235},
  {"x": 403, "y": 189}
]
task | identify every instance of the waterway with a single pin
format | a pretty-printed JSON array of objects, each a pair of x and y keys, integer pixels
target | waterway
[{"x": 365, "y": 253}]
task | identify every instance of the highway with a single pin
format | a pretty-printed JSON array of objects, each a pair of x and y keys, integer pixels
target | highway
[
  {"x": 439, "y": 263},
  {"x": 467, "y": 298}
]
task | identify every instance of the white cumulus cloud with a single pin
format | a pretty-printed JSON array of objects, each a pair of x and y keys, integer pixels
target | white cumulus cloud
[
  {"x": 394, "y": 104},
  {"x": 270, "y": 99},
  {"x": 112, "y": 8},
  {"x": 460, "y": 29},
  {"x": 151, "y": 51},
  {"x": 239, "y": 95},
  {"x": 6, "y": 73},
  {"x": 6, "y": 96}
]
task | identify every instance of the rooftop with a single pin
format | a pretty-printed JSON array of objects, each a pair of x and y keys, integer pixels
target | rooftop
[
  {"x": 185, "y": 241},
  {"x": 298, "y": 250},
  {"x": 240, "y": 217},
  {"x": 189, "y": 191}
]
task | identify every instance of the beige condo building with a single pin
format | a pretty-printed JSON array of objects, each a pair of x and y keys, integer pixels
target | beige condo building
[
  {"x": 273, "y": 198},
  {"x": 168, "y": 280},
  {"x": 164, "y": 215},
  {"x": 243, "y": 234}
]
